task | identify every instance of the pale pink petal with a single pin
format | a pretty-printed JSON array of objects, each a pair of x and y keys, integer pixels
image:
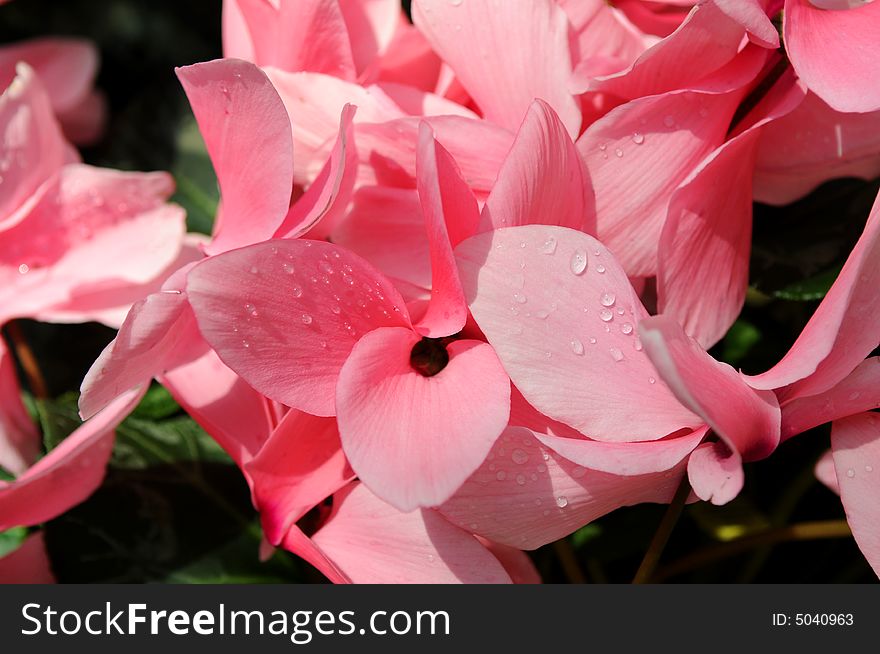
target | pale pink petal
[
  {"x": 833, "y": 52},
  {"x": 385, "y": 226},
  {"x": 300, "y": 35},
  {"x": 297, "y": 542},
  {"x": 855, "y": 445},
  {"x": 285, "y": 315},
  {"x": 751, "y": 15},
  {"x": 226, "y": 407},
  {"x": 68, "y": 474},
  {"x": 660, "y": 19},
  {"x": 371, "y": 25},
  {"x": 826, "y": 473},
  {"x": 31, "y": 146},
  {"x": 543, "y": 179},
  {"x": 857, "y": 392},
  {"x": 527, "y": 496},
  {"x": 66, "y": 67},
  {"x": 842, "y": 331},
  {"x": 237, "y": 40},
  {"x": 715, "y": 473},
  {"x": 409, "y": 60},
  {"x": 747, "y": 420},
  {"x": 516, "y": 562},
  {"x": 323, "y": 203},
  {"x": 418, "y": 103},
  {"x": 604, "y": 31},
  {"x": 413, "y": 439},
  {"x": 141, "y": 349},
  {"x": 247, "y": 134},
  {"x": 19, "y": 437},
  {"x": 474, "y": 38},
  {"x": 372, "y": 542},
  {"x": 451, "y": 215},
  {"x": 812, "y": 144},
  {"x": 300, "y": 466},
  {"x": 29, "y": 564},
  {"x": 563, "y": 318}
]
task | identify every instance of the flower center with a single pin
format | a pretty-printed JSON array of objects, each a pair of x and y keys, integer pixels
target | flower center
[{"x": 429, "y": 356}]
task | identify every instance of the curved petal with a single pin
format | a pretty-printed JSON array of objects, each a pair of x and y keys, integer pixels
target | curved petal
[
  {"x": 543, "y": 179},
  {"x": 751, "y": 15},
  {"x": 371, "y": 26},
  {"x": 474, "y": 39},
  {"x": 451, "y": 215},
  {"x": 413, "y": 439},
  {"x": 857, "y": 392},
  {"x": 838, "y": 69},
  {"x": 826, "y": 473},
  {"x": 715, "y": 473},
  {"x": 526, "y": 496},
  {"x": 562, "y": 316},
  {"x": 285, "y": 315},
  {"x": 247, "y": 134},
  {"x": 748, "y": 421},
  {"x": 855, "y": 446},
  {"x": 516, "y": 562},
  {"x": 68, "y": 474},
  {"x": 300, "y": 466},
  {"x": 19, "y": 437},
  {"x": 843, "y": 330},
  {"x": 604, "y": 31},
  {"x": 29, "y": 564},
  {"x": 237, "y": 40},
  {"x": 372, "y": 542}
]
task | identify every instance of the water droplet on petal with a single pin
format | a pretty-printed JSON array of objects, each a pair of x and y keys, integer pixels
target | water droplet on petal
[
  {"x": 600, "y": 269},
  {"x": 549, "y": 246},
  {"x": 23, "y": 269},
  {"x": 296, "y": 290},
  {"x": 288, "y": 268},
  {"x": 638, "y": 138},
  {"x": 606, "y": 315},
  {"x": 607, "y": 299},
  {"x": 578, "y": 472},
  {"x": 618, "y": 153},
  {"x": 669, "y": 121},
  {"x": 306, "y": 319},
  {"x": 616, "y": 354},
  {"x": 562, "y": 501},
  {"x": 519, "y": 297},
  {"x": 576, "y": 346},
  {"x": 626, "y": 328},
  {"x": 869, "y": 468},
  {"x": 651, "y": 380},
  {"x": 501, "y": 475},
  {"x": 521, "y": 480},
  {"x": 578, "y": 262},
  {"x": 254, "y": 270},
  {"x": 851, "y": 473},
  {"x": 519, "y": 456},
  {"x": 251, "y": 309},
  {"x": 325, "y": 266}
]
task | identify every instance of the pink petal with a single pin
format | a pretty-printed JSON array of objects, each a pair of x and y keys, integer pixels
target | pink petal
[
  {"x": 83, "y": 123},
  {"x": 65, "y": 67},
  {"x": 327, "y": 197},
  {"x": 247, "y": 134},
  {"x": 19, "y": 437},
  {"x": 474, "y": 39},
  {"x": 451, "y": 215},
  {"x": 385, "y": 226},
  {"x": 68, "y": 474},
  {"x": 640, "y": 152},
  {"x": 372, "y": 542},
  {"x": 748, "y": 421},
  {"x": 812, "y": 144},
  {"x": 855, "y": 445},
  {"x": 412, "y": 439},
  {"x": 526, "y": 496},
  {"x": 842, "y": 331},
  {"x": 141, "y": 349},
  {"x": 715, "y": 473},
  {"x": 516, "y": 562},
  {"x": 543, "y": 179},
  {"x": 563, "y": 318},
  {"x": 857, "y": 392},
  {"x": 297, "y": 542},
  {"x": 838, "y": 69},
  {"x": 233, "y": 413},
  {"x": 707, "y": 40},
  {"x": 299, "y": 35},
  {"x": 29, "y": 564},
  {"x": 826, "y": 473},
  {"x": 604, "y": 31},
  {"x": 237, "y": 40},
  {"x": 751, "y": 15},
  {"x": 418, "y": 103},
  {"x": 31, "y": 145},
  {"x": 300, "y": 466},
  {"x": 285, "y": 314},
  {"x": 371, "y": 25}
]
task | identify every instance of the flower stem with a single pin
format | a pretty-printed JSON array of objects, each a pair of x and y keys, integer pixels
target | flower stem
[
  {"x": 25, "y": 355},
  {"x": 568, "y": 559},
  {"x": 664, "y": 530}
]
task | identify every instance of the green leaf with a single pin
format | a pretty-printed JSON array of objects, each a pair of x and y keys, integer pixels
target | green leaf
[
  {"x": 197, "y": 190},
  {"x": 735, "y": 519},
  {"x": 141, "y": 443},
  {"x": 58, "y": 417},
  {"x": 812, "y": 288},
  {"x": 156, "y": 404},
  {"x": 738, "y": 341},
  {"x": 11, "y": 539},
  {"x": 585, "y": 534}
]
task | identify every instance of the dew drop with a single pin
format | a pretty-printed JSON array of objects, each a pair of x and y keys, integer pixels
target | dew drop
[
  {"x": 23, "y": 269},
  {"x": 549, "y": 246},
  {"x": 869, "y": 468},
  {"x": 288, "y": 268},
  {"x": 500, "y": 475},
  {"x": 521, "y": 480},
  {"x": 651, "y": 380},
  {"x": 637, "y": 344},
  {"x": 618, "y": 153},
  {"x": 254, "y": 270},
  {"x": 600, "y": 269},
  {"x": 520, "y": 298},
  {"x": 456, "y": 3},
  {"x": 335, "y": 309},
  {"x": 306, "y": 319},
  {"x": 606, "y": 315},
  {"x": 616, "y": 354},
  {"x": 297, "y": 290},
  {"x": 245, "y": 344},
  {"x": 626, "y": 328},
  {"x": 607, "y": 299},
  {"x": 578, "y": 262},
  {"x": 562, "y": 501},
  {"x": 541, "y": 315},
  {"x": 325, "y": 266},
  {"x": 638, "y": 138},
  {"x": 578, "y": 472},
  {"x": 669, "y": 121},
  {"x": 850, "y": 473},
  {"x": 251, "y": 309},
  {"x": 592, "y": 341},
  {"x": 576, "y": 346},
  {"x": 519, "y": 456}
]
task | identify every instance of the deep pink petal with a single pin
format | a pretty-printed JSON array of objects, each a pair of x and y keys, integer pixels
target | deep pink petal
[
  {"x": 19, "y": 436},
  {"x": 68, "y": 474},
  {"x": 715, "y": 473},
  {"x": 604, "y": 32},
  {"x": 747, "y": 420},
  {"x": 300, "y": 466},
  {"x": 834, "y": 52},
  {"x": 412, "y": 439},
  {"x": 371, "y": 26},
  {"x": 526, "y": 496},
  {"x": 372, "y": 542},
  {"x": 857, "y": 392},
  {"x": 563, "y": 318},
  {"x": 843, "y": 330},
  {"x": 451, "y": 215},
  {"x": 474, "y": 39},
  {"x": 855, "y": 445},
  {"x": 29, "y": 564},
  {"x": 285, "y": 315},
  {"x": 247, "y": 134},
  {"x": 543, "y": 179}
]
